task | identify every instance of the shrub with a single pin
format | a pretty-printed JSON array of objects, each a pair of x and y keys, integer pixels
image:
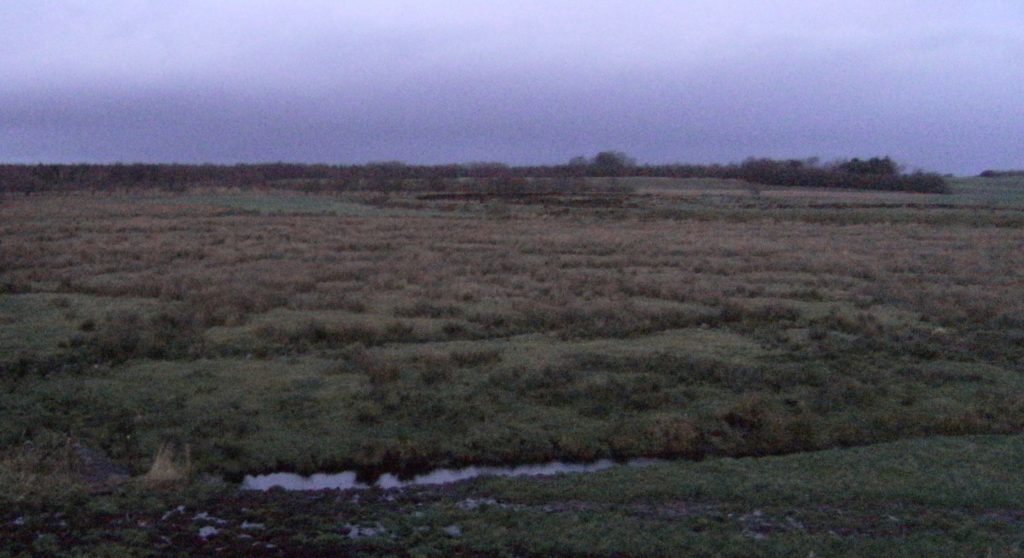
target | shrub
[
  {"x": 424, "y": 309},
  {"x": 379, "y": 372},
  {"x": 733, "y": 312},
  {"x": 168, "y": 334},
  {"x": 217, "y": 308},
  {"x": 842, "y": 393},
  {"x": 478, "y": 357},
  {"x": 315, "y": 333},
  {"x": 874, "y": 165},
  {"x": 453, "y": 328},
  {"x": 39, "y": 471},
  {"x": 1001, "y": 174},
  {"x": 674, "y": 436},
  {"x": 433, "y": 367},
  {"x": 760, "y": 427},
  {"x": 10, "y": 286}
]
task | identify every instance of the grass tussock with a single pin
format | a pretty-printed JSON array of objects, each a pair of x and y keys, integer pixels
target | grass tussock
[
  {"x": 173, "y": 334},
  {"x": 365, "y": 330},
  {"x": 314, "y": 333},
  {"x": 44, "y": 470},
  {"x": 171, "y": 464}
]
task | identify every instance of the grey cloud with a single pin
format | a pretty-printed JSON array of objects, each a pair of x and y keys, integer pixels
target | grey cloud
[{"x": 935, "y": 84}]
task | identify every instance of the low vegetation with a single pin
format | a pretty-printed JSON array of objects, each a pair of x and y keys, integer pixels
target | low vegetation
[
  {"x": 225, "y": 331},
  {"x": 935, "y": 497}
]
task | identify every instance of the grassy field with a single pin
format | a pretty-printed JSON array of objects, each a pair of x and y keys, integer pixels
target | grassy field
[{"x": 688, "y": 319}]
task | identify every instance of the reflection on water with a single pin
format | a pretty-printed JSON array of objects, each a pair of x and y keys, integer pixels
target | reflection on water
[
  {"x": 347, "y": 480},
  {"x": 291, "y": 481}
]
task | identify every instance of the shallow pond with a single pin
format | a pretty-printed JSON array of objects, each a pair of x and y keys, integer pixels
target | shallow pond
[{"x": 348, "y": 480}]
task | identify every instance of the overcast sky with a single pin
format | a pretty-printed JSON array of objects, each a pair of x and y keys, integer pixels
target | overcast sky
[{"x": 935, "y": 84}]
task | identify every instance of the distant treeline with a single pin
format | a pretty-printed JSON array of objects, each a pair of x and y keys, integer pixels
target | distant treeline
[
  {"x": 871, "y": 174},
  {"x": 1001, "y": 173}
]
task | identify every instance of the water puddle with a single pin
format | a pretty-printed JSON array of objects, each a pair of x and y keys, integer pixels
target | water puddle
[{"x": 348, "y": 480}]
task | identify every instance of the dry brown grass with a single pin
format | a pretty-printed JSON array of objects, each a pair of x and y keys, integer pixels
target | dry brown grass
[
  {"x": 227, "y": 268},
  {"x": 33, "y": 473},
  {"x": 48, "y": 469},
  {"x": 171, "y": 464},
  {"x": 831, "y": 305}
]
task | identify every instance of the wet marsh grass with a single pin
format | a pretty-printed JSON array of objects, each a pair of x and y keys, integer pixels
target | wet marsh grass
[
  {"x": 43, "y": 470},
  {"x": 941, "y": 496},
  {"x": 689, "y": 323}
]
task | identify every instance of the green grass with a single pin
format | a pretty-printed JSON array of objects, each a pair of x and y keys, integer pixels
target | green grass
[
  {"x": 1005, "y": 191},
  {"x": 290, "y": 204},
  {"x": 973, "y": 473},
  {"x": 526, "y": 399},
  {"x": 939, "y": 496},
  {"x": 37, "y": 325}
]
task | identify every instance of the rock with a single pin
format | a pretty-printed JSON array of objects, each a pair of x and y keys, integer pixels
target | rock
[
  {"x": 177, "y": 510},
  {"x": 207, "y": 532},
  {"x": 474, "y": 503},
  {"x": 356, "y": 532},
  {"x": 453, "y": 531},
  {"x": 205, "y": 516}
]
